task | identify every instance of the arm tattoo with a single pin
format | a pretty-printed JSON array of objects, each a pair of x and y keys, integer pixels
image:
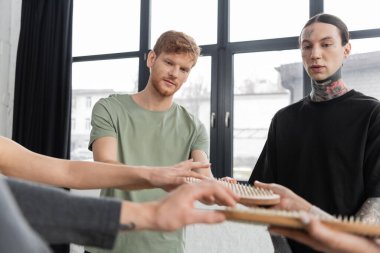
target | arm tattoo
[{"x": 370, "y": 211}]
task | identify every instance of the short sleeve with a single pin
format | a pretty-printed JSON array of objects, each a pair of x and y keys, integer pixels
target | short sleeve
[
  {"x": 101, "y": 122},
  {"x": 202, "y": 139},
  {"x": 81, "y": 220}
]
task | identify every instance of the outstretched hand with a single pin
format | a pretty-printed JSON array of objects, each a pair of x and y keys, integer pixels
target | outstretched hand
[
  {"x": 168, "y": 178},
  {"x": 288, "y": 199},
  {"x": 210, "y": 201},
  {"x": 178, "y": 209},
  {"x": 324, "y": 239},
  {"x": 229, "y": 180}
]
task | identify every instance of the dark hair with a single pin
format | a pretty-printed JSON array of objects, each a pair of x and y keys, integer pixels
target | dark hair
[
  {"x": 332, "y": 20},
  {"x": 177, "y": 42}
]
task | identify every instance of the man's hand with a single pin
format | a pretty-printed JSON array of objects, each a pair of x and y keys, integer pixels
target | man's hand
[
  {"x": 177, "y": 209},
  {"x": 169, "y": 178},
  {"x": 324, "y": 239},
  {"x": 288, "y": 199},
  {"x": 229, "y": 180}
]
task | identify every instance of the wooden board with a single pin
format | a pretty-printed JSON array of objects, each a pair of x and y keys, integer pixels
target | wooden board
[
  {"x": 293, "y": 220},
  {"x": 249, "y": 195}
]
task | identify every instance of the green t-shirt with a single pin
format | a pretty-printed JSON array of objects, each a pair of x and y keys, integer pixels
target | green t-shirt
[{"x": 147, "y": 138}]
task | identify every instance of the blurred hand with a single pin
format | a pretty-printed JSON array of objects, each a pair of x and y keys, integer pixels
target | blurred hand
[
  {"x": 177, "y": 209},
  {"x": 288, "y": 199},
  {"x": 324, "y": 239},
  {"x": 205, "y": 199},
  {"x": 229, "y": 180},
  {"x": 169, "y": 178}
]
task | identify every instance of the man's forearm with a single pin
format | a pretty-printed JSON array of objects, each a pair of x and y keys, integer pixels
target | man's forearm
[
  {"x": 103, "y": 175},
  {"x": 61, "y": 217}
]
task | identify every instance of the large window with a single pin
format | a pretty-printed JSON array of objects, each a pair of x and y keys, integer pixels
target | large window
[
  {"x": 261, "y": 88},
  {"x": 361, "y": 70},
  {"x": 195, "y": 94},
  {"x": 186, "y": 16},
  {"x": 93, "y": 80},
  {"x": 266, "y": 19},
  {"x": 250, "y": 65},
  {"x": 102, "y": 27},
  {"x": 358, "y": 15}
]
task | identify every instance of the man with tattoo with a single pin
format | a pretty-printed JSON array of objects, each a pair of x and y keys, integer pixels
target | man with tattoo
[{"x": 326, "y": 147}]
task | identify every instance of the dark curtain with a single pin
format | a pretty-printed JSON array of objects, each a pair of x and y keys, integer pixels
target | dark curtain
[{"x": 42, "y": 100}]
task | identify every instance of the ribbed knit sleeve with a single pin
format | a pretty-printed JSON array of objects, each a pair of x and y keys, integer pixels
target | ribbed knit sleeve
[{"x": 61, "y": 217}]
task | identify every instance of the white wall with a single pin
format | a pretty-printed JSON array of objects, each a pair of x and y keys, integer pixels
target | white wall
[{"x": 10, "y": 12}]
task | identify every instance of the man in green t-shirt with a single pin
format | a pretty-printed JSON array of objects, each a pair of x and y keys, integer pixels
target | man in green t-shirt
[{"x": 148, "y": 128}]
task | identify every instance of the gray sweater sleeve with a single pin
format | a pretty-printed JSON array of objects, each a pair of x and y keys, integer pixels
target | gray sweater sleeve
[
  {"x": 61, "y": 217},
  {"x": 15, "y": 233}
]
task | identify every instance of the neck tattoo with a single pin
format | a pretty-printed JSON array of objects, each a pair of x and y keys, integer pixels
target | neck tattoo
[{"x": 329, "y": 88}]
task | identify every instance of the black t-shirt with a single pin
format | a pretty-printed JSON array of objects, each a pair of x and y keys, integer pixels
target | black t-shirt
[{"x": 326, "y": 152}]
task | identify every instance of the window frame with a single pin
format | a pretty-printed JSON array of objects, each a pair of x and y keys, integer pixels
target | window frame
[{"x": 222, "y": 93}]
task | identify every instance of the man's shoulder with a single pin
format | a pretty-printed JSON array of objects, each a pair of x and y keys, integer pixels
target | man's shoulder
[
  {"x": 185, "y": 114},
  {"x": 112, "y": 98},
  {"x": 113, "y": 101},
  {"x": 364, "y": 103},
  {"x": 358, "y": 96},
  {"x": 292, "y": 107}
]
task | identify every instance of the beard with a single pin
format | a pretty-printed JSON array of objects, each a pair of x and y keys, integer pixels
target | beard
[{"x": 162, "y": 89}]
